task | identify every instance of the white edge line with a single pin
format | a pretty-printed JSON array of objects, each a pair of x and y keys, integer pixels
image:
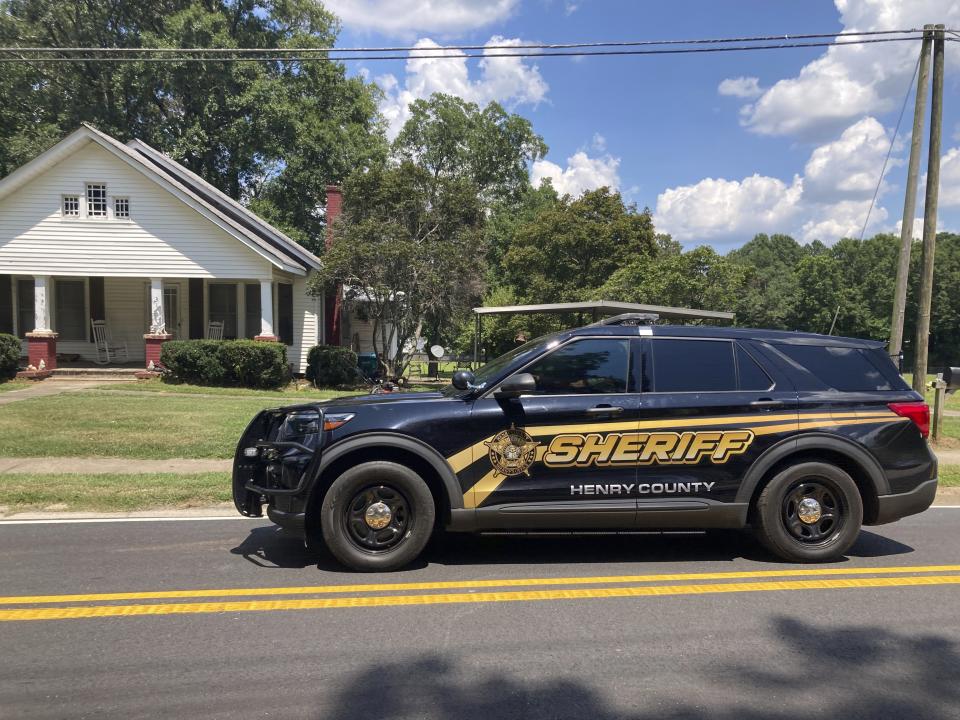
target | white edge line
[{"x": 72, "y": 521}]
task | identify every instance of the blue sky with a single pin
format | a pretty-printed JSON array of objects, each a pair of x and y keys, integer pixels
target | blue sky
[{"x": 720, "y": 146}]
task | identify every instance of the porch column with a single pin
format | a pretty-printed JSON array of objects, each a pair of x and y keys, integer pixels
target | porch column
[
  {"x": 42, "y": 341},
  {"x": 157, "y": 335},
  {"x": 266, "y": 312}
]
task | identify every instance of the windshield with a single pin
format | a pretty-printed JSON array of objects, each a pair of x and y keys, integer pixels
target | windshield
[{"x": 495, "y": 369}]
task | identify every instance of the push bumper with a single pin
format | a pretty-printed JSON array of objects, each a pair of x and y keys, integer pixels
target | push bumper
[{"x": 894, "y": 507}]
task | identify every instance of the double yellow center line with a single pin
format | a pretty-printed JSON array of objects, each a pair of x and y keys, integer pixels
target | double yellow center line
[{"x": 127, "y": 604}]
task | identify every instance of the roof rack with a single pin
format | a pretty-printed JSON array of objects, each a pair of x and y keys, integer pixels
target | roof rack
[{"x": 630, "y": 319}]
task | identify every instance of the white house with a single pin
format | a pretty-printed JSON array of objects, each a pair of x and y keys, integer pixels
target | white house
[{"x": 94, "y": 229}]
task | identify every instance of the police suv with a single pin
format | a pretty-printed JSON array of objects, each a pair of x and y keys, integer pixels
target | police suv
[{"x": 618, "y": 425}]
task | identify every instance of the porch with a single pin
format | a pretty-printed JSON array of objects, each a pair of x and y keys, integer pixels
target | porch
[{"x": 54, "y": 315}]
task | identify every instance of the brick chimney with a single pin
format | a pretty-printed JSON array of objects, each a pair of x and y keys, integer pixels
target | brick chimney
[{"x": 333, "y": 300}]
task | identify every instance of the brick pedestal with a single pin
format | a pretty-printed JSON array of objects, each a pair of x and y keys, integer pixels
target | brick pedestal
[
  {"x": 42, "y": 346},
  {"x": 267, "y": 338},
  {"x": 153, "y": 343}
]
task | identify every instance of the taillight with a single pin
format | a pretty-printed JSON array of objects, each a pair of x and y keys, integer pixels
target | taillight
[{"x": 918, "y": 412}]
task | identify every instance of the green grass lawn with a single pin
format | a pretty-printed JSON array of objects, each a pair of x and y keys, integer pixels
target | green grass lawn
[
  {"x": 116, "y": 493},
  {"x": 950, "y": 475},
  {"x": 104, "y": 424},
  {"x": 303, "y": 390},
  {"x": 15, "y": 385}
]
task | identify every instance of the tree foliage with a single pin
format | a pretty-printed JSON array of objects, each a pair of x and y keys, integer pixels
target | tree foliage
[{"x": 273, "y": 134}]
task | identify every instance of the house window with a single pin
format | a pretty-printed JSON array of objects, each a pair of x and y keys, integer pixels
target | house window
[
  {"x": 222, "y": 307},
  {"x": 26, "y": 313},
  {"x": 71, "y": 206},
  {"x": 96, "y": 200},
  {"x": 70, "y": 309},
  {"x": 121, "y": 207}
]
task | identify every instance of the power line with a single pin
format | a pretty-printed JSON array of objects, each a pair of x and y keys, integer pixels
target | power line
[
  {"x": 893, "y": 139},
  {"x": 515, "y": 46},
  {"x": 294, "y": 58}
]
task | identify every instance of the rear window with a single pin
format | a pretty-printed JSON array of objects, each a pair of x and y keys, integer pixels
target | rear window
[{"x": 846, "y": 369}]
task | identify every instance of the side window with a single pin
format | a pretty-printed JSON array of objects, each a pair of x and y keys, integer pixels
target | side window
[
  {"x": 752, "y": 376},
  {"x": 584, "y": 367},
  {"x": 693, "y": 365},
  {"x": 842, "y": 368}
]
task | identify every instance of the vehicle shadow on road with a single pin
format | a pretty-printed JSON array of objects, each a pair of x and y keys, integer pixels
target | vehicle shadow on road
[
  {"x": 272, "y": 547},
  {"x": 821, "y": 670}
]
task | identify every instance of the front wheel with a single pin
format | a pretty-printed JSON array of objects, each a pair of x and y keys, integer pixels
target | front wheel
[
  {"x": 810, "y": 512},
  {"x": 377, "y": 516}
]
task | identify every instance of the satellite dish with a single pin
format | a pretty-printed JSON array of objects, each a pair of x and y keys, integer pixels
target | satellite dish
[{"x": 437, "y": 351}]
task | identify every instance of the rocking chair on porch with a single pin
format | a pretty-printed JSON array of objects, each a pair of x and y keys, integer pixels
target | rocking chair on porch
[{"x": 107, "y": 349}]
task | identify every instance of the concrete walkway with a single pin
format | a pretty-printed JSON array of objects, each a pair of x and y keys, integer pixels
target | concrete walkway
[
  {"x": 46, "y": 388},
  {"x": 103, "y": 466}
]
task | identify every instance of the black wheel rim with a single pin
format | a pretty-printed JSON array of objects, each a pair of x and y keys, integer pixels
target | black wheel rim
[
  {"x": 372, "y": 539},
  {"x": 814, "y": 528}
]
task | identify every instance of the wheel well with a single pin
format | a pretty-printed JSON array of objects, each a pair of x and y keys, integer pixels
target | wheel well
[
  {"x": 369, "y": 454},
  {"x": 868, "y": 493}
]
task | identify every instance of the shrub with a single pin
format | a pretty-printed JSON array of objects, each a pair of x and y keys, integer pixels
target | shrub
[
  {"x": 245, "y": 363},
  {"x": 331, "y": 365},
  {"x": 9, "y": 356}
]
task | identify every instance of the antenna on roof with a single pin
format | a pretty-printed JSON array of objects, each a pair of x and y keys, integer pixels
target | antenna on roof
[{"x": 632, "y": 319}]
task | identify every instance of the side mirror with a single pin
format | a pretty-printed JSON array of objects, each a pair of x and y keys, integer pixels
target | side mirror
[
  {"x": 517, "y": 385},
  {"x": 463, "y": 379}
]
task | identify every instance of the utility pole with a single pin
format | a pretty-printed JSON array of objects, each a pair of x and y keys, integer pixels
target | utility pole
[
  {"x": 930, "y": 214},
  {"x": 910, "y": 200}
]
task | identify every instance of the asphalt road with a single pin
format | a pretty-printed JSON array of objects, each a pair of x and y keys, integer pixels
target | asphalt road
[{"x": 525, "y": 627}]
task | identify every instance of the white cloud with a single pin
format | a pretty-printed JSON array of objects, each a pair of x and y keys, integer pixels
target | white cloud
[
  {"x": 847, "y": 168},
  {"x": 570, "y": 8},
  {"x": 950, "y": 178},
  {"x": 829, "y": 201},
  {"x": 508, "y": 80},
  {"x": 917, "y": 228},
  {"x": 741, "y": 87},
  {"x": 582, "y": 173},
  {"x": 406, "y": 18},
  {"x": 599, "y": 142},
  {"x": 851, "y": 81}
]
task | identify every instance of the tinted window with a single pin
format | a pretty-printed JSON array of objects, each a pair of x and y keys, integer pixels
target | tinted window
[
  {"x": 752, "y": 376},
  {"x": 583, "y": 366},
  {"x": 847, "y": 369},
  {"x": 693, "y": 365}
]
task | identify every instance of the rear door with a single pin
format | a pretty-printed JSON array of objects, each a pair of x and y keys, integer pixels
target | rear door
[
  {"x": 553, "y": 458},
  {"x": 709, "y": 409}
]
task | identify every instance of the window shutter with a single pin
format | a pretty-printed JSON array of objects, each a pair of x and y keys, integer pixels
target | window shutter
[
  {"x": 98, "y": 304},
  {"x": 285, "y": 312},
  {"x": 6, "y": 305},
  {"x": 196, "y": 308}
]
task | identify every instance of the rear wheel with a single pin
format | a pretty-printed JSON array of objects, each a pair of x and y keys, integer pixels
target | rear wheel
[
  {"x": 810, "y": 512},
  {"x": 377, "y": 516}
]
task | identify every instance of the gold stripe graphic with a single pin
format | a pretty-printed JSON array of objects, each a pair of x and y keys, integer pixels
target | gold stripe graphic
[
  {"x": 100, "y": 611},
  {"x": 488, "y": 484},
  {"x": 469, "y": 584},
  {"x": 464, "y": 458}
]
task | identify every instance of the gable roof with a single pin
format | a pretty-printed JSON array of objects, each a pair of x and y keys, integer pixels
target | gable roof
[{"x": 220, "y": 209}]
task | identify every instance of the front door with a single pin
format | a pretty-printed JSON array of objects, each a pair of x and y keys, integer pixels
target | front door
[
  {"x": 557, "y": 457},
  {"x": 709, "y": 409}
]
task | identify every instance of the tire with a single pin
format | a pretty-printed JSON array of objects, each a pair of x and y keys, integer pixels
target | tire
[
  {"x": 347, "y": 531},
  {"x": 779, "y": 526}
]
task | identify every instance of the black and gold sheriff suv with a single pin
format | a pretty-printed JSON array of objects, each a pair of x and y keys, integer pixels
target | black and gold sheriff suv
[{"x": 622, "y": 424}]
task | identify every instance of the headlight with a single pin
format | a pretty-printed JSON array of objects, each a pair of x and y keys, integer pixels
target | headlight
[
  {"x": 299, "y": 424},
  {"x": 332, "y": 422}
]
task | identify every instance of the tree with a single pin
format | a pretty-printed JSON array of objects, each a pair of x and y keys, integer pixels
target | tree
[
  {"x": 403, "y": 251},
  {"x": 699, "y": 278},
  {"x": 270, "y": 133},
  {"x": 456, "y": 139},
  {"x": 766, "y": 296},
  {"x": 570, "y": 249}
]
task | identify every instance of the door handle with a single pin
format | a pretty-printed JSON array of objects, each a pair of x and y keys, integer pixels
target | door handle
[
  {"x": 604, "y": 410},
  {"x": 767, "y": 403}
]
